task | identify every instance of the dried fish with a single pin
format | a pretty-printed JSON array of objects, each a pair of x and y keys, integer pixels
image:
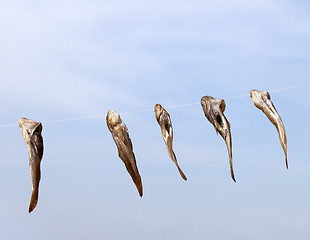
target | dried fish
[
  {"x": 214, "y": 112},
  {"x": 31, "y": 132},
  {"x": 122, "y": 140},
  {"x": 164, "y": 121},
  {"x": 262, "y": 101}
]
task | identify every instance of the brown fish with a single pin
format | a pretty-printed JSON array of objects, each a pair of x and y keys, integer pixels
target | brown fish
[
  {"x": 214, "y": 111},
  {"x": 164, "y": 121},
  {"x": 262, "y": 101},
  {"x": 121, "y": 137},
  {"x": 31, "y": 132}
]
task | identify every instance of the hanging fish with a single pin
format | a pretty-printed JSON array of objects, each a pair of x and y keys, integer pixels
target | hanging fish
[
  {"x": 31, "y": 132},
  {"x": 121, "y": 137},
  {"x": 164, "y": 121},
  {"x": 214, "y": 112},
  {"x": 262, "y": 101}
]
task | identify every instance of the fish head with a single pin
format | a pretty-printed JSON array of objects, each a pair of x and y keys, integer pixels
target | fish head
[
  {"x": 259, "y": 97},
  {"x": 158, "y": 111},
  {"x": 112, "y": 118},
  {"x": 22, "y": 121},
  {"x": 213, "y": 109},
  {"x": 255, "y": 94},
  {"x": 30, "y": 125},
  {"x": 206, "y": 101}
]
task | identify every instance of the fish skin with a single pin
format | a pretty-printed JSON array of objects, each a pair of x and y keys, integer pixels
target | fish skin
[
  {"x": 214, "y": 112},
  {"x": 31, "y": 132},
  {"x": 122, "y": 140},
  {"x": 164, "y": 121},
  {"x": 263, "y": 102}
]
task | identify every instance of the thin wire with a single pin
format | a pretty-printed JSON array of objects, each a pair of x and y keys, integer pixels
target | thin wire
[
  {"x": 56, "y": 121},
  {"x": 8, "y": 125},
  {"x": 169, "y": 107},
  {"x": 242, "y": 96},
  {"x": 139, "y": 111},
  {"x": 289, "y": 88},
  {"x": 149, "y": 110},
  {"x": 183, "y": 105},
  {"x": 74, "y": 119}
]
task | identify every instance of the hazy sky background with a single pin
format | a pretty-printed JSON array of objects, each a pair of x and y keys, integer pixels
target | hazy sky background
[{"x": 68, "y": 59}]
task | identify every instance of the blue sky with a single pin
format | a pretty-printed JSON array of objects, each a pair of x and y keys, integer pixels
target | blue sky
[{"x": 70, "y": 59}]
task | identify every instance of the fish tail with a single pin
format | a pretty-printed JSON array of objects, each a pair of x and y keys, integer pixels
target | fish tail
[
  {"x": 282, "y": 138},
  {"x": 138, "y": 184},
  {"x": 34, "y": 199},
  {"x": 231, "y": 166},
  {"x": 232, "y": 171},
  {"x": 174, "y": 159},
  {"x": 181, "y": 173},
  {"x": 229, "y": 147}
]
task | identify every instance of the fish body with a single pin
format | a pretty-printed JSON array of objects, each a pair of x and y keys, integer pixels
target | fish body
[
  {"x": 164, "y": 121},
  {"x": 214, "y": 112},
  {"x": 122, "y": 140},
  {"x": 262, "y": 101},
  {"x": 31, "y": 132}
]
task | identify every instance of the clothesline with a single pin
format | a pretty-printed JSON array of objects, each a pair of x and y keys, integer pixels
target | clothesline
[{"x": 152, "y": 109}]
